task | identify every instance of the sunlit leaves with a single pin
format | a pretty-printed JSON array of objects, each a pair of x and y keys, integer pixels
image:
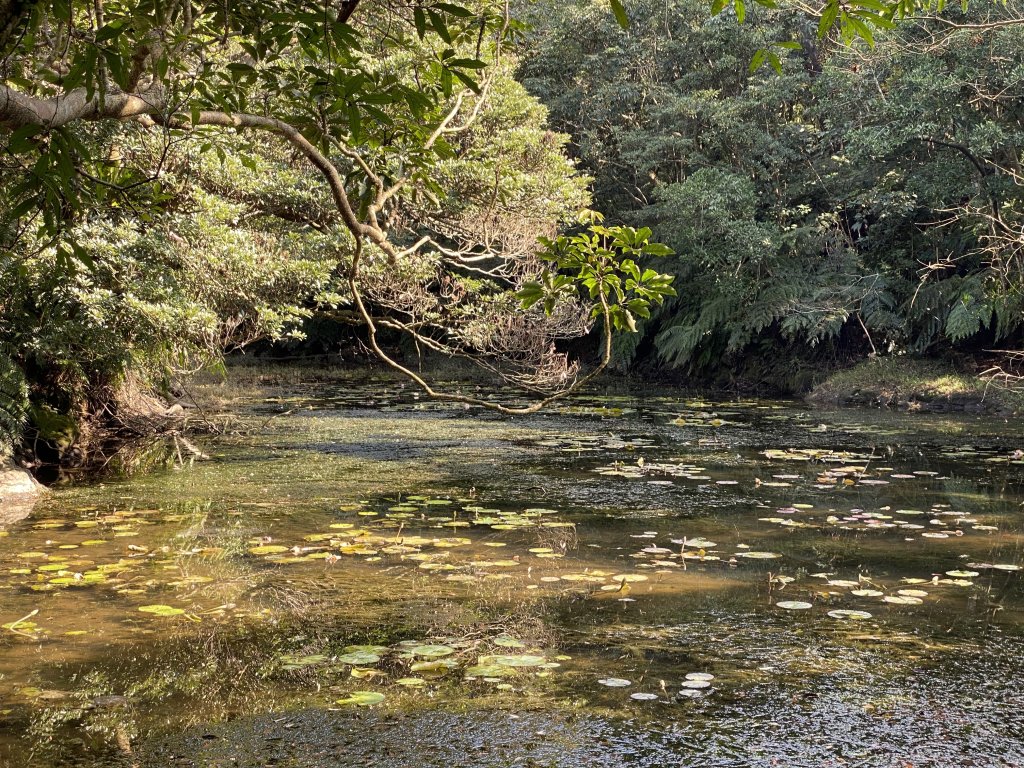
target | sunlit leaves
[{"x": 602, "y": 263}]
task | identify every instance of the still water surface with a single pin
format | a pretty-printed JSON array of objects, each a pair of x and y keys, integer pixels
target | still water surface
[{"x": 632, "y": 579}]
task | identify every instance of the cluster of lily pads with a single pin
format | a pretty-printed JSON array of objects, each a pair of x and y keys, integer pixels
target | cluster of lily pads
[
  {"x": 503, "y": 661},
  {"x": 413, "y": 533},
  {"x": 694, "y": 685},
  {"x": 940, "y": 521}
]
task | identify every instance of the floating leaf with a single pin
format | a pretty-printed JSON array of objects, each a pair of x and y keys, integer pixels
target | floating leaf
[
  {"x": 432, "y": 651},
  {"x": 846, "y": 614},
  {"x": 614, "y": 682},
  {"x": 643, "y": 696},
  {"x": 517, "y": 661},
  {"x": 359, "y": 657},
  {"x": 794, "y": 605},
  {"x": 700, "y": 676},
  {"x": 268, "y": 549},
  {"x": 696, "y": 684},
  {"x": 362, "y": 699},
  {"x": 161, "y": 610},
  {"x": 902, "y": 600},
  {"x": 507, "y": 641}
]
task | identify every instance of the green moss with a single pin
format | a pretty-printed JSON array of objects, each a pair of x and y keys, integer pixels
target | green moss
[{"x": 916, "y": 385}]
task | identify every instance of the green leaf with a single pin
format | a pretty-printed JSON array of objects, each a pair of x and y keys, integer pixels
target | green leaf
[
  {"x": 758, "y": 59},
  {"x": 420, "y": 20},
  {"x": 455, "y": 10},
  {"x": 438, "y": 24},
  {"x": 22, "y": 141},
  {"x": 620, "y": 13},
  {"x": 828, "y": 17},
  {"x": 468, "y": 81}
]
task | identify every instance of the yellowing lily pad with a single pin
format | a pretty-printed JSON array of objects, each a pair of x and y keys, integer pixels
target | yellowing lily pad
[
  {"x": 161, "y": 610},
  {"x": 362, "y": 699},
  {"x": 268, "y": 549}
]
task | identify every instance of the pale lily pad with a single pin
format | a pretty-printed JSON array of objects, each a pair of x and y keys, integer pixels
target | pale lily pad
[
  {"x": 758, "y": 555},
  {"x": 615, "y": 682},
  {"x": 867, "y": 592},
  {"x": 696, "y": 685},
  {"x": 706, "y": 676},
  {"x": 846, "y": 614},
  {"x": 644, "y": 696},
  {"x": 962, "y": 574},
  {"x": 362, "y": 699},
  {"x": 794, "y": 605},
  {"x": 411, "y": 682},
  {"x": 359, "y": 657},
  {"x": 435, "y": 666},
  {"x": 902, "y": 600},
  {"x": 518, "y": 661},
  {"x": 507, "y": 641},
  {"x": 489, "y": 670},
  {"x": 432, "y": 651}
]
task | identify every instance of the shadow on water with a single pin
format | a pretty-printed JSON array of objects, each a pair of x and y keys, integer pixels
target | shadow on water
[{"x": 625, "y": 580}]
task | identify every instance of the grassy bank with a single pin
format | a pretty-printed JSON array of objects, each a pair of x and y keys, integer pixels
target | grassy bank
[{"x": 916, "y": 385}]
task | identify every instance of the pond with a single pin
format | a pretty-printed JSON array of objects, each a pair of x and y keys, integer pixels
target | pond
[{"x": 634, "y": 578}]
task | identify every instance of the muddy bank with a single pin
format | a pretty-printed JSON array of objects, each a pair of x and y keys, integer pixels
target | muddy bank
[{"x": 18, "y": 493}]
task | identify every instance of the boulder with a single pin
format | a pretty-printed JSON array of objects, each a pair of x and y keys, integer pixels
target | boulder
[{"x": 18, "y": 494}]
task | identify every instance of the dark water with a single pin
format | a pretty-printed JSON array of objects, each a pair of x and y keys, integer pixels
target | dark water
[{"x": 371, "y": 580}]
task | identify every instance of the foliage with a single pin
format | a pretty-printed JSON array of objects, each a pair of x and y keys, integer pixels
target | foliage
[
  {"x": 13, "y": 403},
  {"x": 146, "y": 227},
  {"x": 851, "y": 204},
  {"x": 603, "y": 261}
]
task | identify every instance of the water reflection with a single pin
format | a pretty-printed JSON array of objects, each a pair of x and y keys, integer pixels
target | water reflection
[{"x": 454, "y": 568}]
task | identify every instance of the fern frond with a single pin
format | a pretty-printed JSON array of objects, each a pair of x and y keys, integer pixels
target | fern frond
[{"x": 13, "y": 403}]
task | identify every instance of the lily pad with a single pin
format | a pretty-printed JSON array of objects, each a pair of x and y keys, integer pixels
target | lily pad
[
  {"x": 700, "y": 676},
  {"x": 507, "y": 641},
  {"x": 518, "y": 661},
  {"x": 359, "y": 657},
  {"x": 847, "y": 614},
  {"x": 362, "y": 699},
  {"x": 161, "y": 610},
  {"x": 268, "y": 549},
  {"x": 794, "y": 605},
  {"x": 902, "y": 600},
  {"x": 696, "y": 685},
  {"x": 615, "y": 682},
  {"x": 432, "y": 651}
]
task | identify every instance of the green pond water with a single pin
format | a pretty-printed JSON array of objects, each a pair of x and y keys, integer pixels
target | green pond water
[{"x": 629, "y": 579}]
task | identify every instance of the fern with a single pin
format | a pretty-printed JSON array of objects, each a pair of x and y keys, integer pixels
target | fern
[{"x": 13, "y": 403}]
